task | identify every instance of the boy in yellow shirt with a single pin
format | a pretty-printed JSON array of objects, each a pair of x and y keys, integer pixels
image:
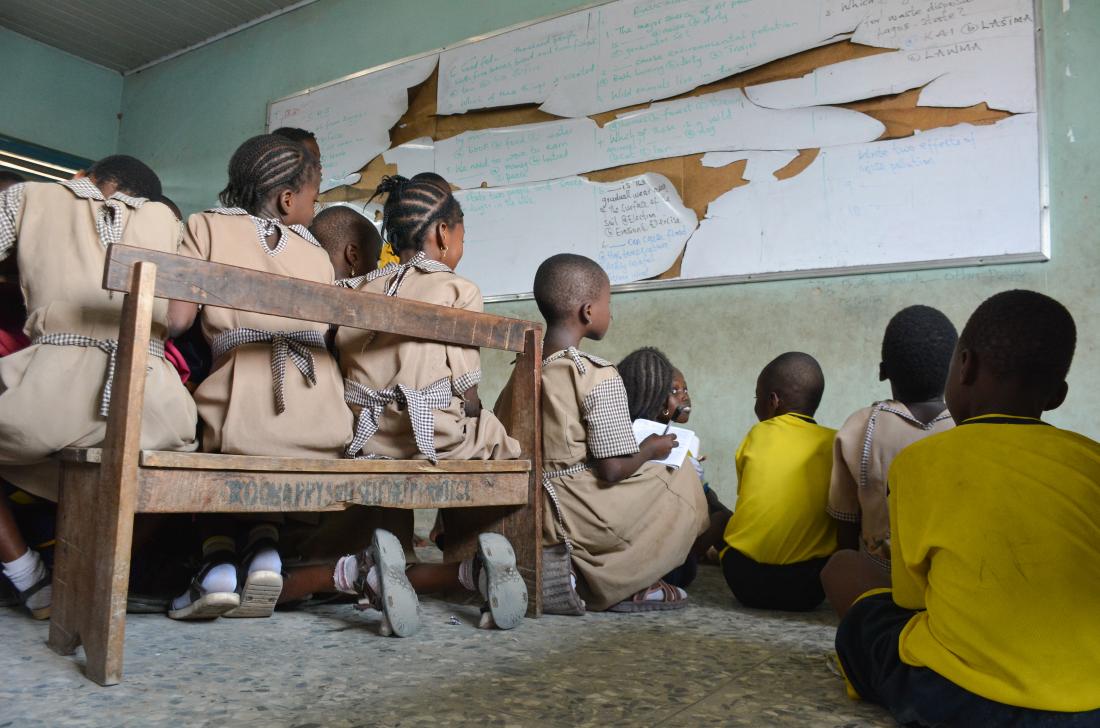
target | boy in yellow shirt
[
  {"x": 780, "y": 536},
  {"x": 995, "y": 556}
]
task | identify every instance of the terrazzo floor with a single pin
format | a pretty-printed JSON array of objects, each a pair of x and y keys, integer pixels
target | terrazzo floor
[{"x": 710, "y": 664}]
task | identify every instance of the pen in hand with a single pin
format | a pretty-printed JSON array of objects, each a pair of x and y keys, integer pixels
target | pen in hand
[{"x": 675, "y": 415}]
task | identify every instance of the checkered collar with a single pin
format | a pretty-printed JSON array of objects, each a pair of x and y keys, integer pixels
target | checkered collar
[
  {"x": 576, "y": 355},
  {"x": 85, "y": 189},
  {"x": 420, "y": 262},
  {"x": 265, "y": 226}
]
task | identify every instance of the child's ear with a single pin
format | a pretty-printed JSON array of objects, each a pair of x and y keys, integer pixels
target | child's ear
[
  {"x": 968, "y": 366},
  {"x": 1057, "y": 398},
  {"x": 882, "y": 375},
  {"x": 285, "y": 198},
  {"x": 351, "y": 255},
  {"x": 586, "y": 313}
]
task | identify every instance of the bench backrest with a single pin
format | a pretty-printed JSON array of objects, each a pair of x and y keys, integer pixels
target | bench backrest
[{"x": 199, "y": 281}]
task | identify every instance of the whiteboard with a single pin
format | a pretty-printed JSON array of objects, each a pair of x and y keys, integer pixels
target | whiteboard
[{"x": 948, "y": 196}]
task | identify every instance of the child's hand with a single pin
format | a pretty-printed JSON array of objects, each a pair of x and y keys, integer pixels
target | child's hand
[{"x": 658, "y": 447}]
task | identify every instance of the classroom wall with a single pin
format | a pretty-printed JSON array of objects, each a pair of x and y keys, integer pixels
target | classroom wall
[
  {"x": 57, "y": 100},
  {"x": 186, "y": 116}
]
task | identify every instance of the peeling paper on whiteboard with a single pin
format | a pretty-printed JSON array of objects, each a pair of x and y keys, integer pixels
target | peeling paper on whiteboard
[
  {"x": 352, "y": 119},
  {"x": 998, "y": 71},
  {"x": 634, "y": 51},
  {"x": 957, "y": 192},
  {"x": 413, "y": 157},
  {"x": 635, "y": 228},
  {"x": 759, "y": 166},
  {"x": 913, "y": 24},
  {"x": 331, "y": 184},
  {"x": 721, "y": 121}
]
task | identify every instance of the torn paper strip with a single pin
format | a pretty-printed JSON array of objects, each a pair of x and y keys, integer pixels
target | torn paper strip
[
  {"x": 759, "y": 165},
  {"x": 913, "y": 24},
  {"x": 958, "y": 192},
  {"x": 998, "y": 71},
  {"x": 635, "y": 229}
]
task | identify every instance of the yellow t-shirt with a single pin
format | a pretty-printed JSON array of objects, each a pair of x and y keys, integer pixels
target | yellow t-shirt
[
  {"x": 996, "y": 535},
  {"x": 783, "y": 470}
]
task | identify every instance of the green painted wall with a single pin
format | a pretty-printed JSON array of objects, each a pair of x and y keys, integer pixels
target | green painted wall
[
  {"x": 186, "y": 116},
  {"x": 51, "y": 98}
]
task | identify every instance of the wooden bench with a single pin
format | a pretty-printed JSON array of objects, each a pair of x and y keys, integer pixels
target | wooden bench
[{"x": 102, "y": 488}]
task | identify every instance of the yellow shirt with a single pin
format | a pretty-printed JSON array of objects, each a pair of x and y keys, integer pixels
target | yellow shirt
[
  {"x": 783, "y": 470},
  {"x": 996, "y": 535}
]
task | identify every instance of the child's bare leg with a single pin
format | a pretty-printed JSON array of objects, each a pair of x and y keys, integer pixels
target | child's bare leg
[
  {"x": 12, "y": 545},
  {"x": 22, "y": 566},
  {"x": 849, "y": 574},
  {"x": 713, "y": 535},
  {"x": 301, "y": 581},
  {"x": 434, "y": 578}
]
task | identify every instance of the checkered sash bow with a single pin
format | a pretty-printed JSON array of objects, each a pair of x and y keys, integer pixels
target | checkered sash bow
[
  {"x": 421, "y": 404},
  {"x": 107, "y": 346},
  {"x": 294, "y": 345},
  {"x": 108, "y": 222}
]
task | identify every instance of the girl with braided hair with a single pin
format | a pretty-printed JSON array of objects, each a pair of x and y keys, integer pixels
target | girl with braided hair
[
  {"x": 417, "y": 399},
  {"x": 274, "y": 389}
]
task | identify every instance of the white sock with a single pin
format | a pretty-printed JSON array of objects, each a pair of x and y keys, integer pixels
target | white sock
[
  {"x": 26, "y": 571},
  {"x": 466, "y": 575},
  {"x": 346, "y": 572},
  {"x": 221, "y": 578},
  {"x": 657, "y": 595},
  {"x": 266, "y": 560}
]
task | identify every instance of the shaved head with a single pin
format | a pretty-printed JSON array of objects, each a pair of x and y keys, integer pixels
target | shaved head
[
  {"x": 564, "y": 283},
  {"x": 798, "y": 380}
]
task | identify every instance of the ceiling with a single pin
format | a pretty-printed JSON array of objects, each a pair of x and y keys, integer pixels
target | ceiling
[{"x": 126, "y": 35}]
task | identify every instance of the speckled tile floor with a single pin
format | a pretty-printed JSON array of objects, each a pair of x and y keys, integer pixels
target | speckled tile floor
[{"x": 711, "y": 664}]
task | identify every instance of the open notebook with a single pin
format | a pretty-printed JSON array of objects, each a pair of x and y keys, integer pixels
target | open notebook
[{"x": 687, "y": 441}]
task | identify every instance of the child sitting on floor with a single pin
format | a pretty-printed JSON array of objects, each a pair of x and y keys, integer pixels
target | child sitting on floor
[
  {"x": 274, "y": 388},
  {"x": 994, "y": 557},
  {"x": 56, "y": 392},
  {"x": 780, "y": 536},
  {"x": 916, "y": 351},
  {"x": 351, "y": 241},
  {"x": 656, "y": 390},
  {"x": 627, "y": 521}
]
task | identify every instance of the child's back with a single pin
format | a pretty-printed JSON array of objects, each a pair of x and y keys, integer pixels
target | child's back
[
  {"x": 783, "y": 469},
  {"x": 414, "y": 398},
  {"x": 237, "y": 402},
  {"x": 916, "y": 351},
  {"x": 52, "y": 394}
]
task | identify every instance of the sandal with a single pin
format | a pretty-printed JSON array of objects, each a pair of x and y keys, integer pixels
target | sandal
[
  {"x": 203, "y": 604},
  {"x": 259, "y": 590},
  {"x": 504, "y": 590},
  {"x": 37, "y": 597},
  {"x": 396, "y": 598},
  {"x": 671, "y": 598}
]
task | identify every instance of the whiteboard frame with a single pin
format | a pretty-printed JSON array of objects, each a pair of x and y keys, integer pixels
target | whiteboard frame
[{"x": 1042, "y": 256}]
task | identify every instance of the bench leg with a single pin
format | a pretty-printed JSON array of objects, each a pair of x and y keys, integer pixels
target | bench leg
[
  {"x": 92, "y": 575},
  {"x": 73, "y": 556}
]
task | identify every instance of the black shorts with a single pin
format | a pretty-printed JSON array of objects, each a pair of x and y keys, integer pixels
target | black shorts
[
  {"x": 867, "y": 644},
  {"x": 790, "y": 587}
]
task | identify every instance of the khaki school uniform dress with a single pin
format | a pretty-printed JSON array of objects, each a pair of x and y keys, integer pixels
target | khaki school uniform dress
[
  {"x": 407, "y": 394},
  {"x": 862, "y": 453},
  {"x": 55, "y": 393},
  {"x": 626, "y": 535},
  {"x": 274, "y": 389}
]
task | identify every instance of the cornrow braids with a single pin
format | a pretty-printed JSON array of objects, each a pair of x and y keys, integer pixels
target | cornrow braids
[
  {"x": 647, "y": 375},
  {"x": 265, "y": 164},
  {"x": 412, "y": 207}
]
